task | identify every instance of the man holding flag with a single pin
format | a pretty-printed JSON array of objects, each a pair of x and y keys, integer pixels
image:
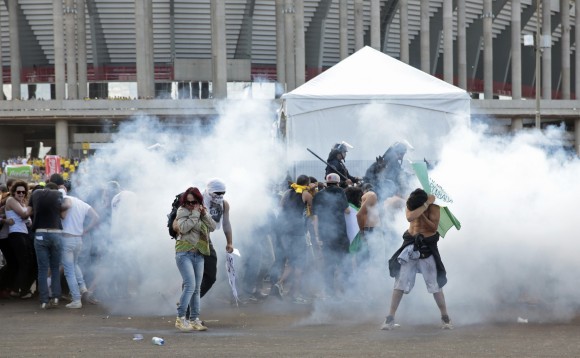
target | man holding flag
[{"x": 419, "y": 253}]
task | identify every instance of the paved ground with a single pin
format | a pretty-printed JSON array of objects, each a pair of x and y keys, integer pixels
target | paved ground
[{"x": 259, "y": 330}]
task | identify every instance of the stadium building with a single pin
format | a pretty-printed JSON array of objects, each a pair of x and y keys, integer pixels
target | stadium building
[{"x": 72, "y": 69}]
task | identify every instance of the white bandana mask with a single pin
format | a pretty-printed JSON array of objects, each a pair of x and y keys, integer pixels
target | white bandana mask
[{"x": 217, "y": 198}]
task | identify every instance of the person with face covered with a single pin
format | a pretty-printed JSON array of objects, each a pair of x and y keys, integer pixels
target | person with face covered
[
  {"x": 335, "y": 161},
  {"x": 219, "y": 210},
  {"x": 392, "y": 180},
  {"x": 419, "y": 254},
  {"x": 194, "y": 224}
]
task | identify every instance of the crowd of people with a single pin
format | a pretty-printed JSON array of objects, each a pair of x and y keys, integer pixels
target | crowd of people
[
  {"x": 68, "y": 166},
  {"x": 311, "y": 246},
  {"x": 42, "y": 229}
]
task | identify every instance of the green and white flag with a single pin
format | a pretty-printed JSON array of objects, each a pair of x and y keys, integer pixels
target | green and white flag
[{"x": 447, "y": 220}]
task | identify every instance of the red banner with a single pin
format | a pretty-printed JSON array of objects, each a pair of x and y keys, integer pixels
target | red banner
[{"x": 51, "y": 165}]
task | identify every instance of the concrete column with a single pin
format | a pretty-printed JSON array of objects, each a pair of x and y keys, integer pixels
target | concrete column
[
  {"x": 517, "y": 124},
  {"x": 82, "y": 48},
  {"x": 1, "y": 73},
  {"x": 487, "y": 50},
  {"x": 376, "y": 24},
  {"x": 577, "y": 135},
  {"x": 448, "y": 41},
  {"x": 358, "y": 25},
  {"x": 547, "y": 52},
  {"x": 58, "y": 28},
  {"x": 144, "y": 49},
  {"x": 218, "y": 50},
  {"x": 61, "y": 136},
  {"x": 565, "y": 40},
  {"x": 289, "y": 44},
  {"x": 516, "y": 62},
  {"x": 71, "y": 56},
  {"x": 300, "y": 46},
  {"x": 404, "y": 23},
  {"x": 280, "y": 47},
  {"x": 15, "y": 64},
  {"x": 343, "y": 25},
  {"x": 461, "y": 45},
  {"x": 577, "y": 52},
  {"x": 425, "y": 40}
]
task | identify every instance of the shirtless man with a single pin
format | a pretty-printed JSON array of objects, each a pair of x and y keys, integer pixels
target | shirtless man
[
  {"x": 368, "y": 215},
  {"x": 419, "y": 253},
  {"x": 369, "y": 223}
]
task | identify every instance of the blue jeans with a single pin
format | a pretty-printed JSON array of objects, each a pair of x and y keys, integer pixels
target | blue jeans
[
  {"x": 71, "y": 249},
  {"x": 190, "y": 265},
  {"x": 48, "y": 246}
]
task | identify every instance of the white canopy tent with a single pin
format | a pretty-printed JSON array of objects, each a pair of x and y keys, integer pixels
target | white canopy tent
[{"x": 371, "y": 101}]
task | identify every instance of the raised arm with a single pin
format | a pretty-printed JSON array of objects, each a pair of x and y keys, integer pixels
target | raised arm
[
  {"x": 415, "y": 214},
  {"x": 14, "y": 205},
  {"x": 431, "y": 217}
]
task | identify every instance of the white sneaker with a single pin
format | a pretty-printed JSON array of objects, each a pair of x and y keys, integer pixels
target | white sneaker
[
  {"x": 446, "y": 323},
  {"x": 53, "y": 302},
  {"x": 389, "y": 324},
  {"x": 183, "y": 325},
  {"x": 75, "y": 304}
]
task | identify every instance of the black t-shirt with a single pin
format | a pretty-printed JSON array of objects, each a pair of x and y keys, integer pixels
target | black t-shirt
[
  {"x": 329, "y": 205},
  {"x": 292, "y": 219},
  {"x": 46, "y": 204}
]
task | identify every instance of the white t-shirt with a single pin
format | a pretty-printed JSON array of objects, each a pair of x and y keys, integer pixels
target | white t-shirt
[{"x": 73, "y": 223}]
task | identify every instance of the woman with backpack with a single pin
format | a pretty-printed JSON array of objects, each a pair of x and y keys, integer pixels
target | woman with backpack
[{"x": 193, "y": 225}]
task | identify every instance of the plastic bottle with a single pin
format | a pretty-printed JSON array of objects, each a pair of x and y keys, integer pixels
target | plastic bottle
[{"x": 158, "y": 341}]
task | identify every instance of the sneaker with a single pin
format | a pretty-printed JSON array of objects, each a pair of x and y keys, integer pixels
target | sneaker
[
  {"x": 53, "y": 302},
  {"x": 90, "y": 298},
  {"x": 278, "y": 290},
  {"x": 252, "y": 299},
  {"x": 389, "y": 324},
  {"x": 44, "y": 306},
  {"x": 446, "y": 322},
  {"x": 197, "y": 325},
  {"x": 75, "y": 304},
  {"x": 26, "y": 295},
  {"x": 300, "y": 300},
  {"x": 183, "y": 325}
]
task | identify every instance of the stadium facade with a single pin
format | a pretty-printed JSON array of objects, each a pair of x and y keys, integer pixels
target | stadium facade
[{"x": 63, "y": 61}]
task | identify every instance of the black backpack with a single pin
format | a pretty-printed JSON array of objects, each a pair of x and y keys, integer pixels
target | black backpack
[{"x": 172, "y": 215}]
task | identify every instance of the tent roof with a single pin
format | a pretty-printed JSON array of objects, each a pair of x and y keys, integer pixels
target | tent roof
[{"x": 370, "y": 73}]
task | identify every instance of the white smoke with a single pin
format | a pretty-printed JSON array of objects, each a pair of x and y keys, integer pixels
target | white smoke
[
  {"x": 156, "y": 160},
  {"x": 514, "y": 256},
  {"x": 515, "y": 253}
]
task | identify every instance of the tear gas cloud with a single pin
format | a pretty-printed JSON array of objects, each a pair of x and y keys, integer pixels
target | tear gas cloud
[
  {"x": 515, "y": 250},
  {"x": 515, "y": 253},
  {"x": 139, "y": 253}
]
